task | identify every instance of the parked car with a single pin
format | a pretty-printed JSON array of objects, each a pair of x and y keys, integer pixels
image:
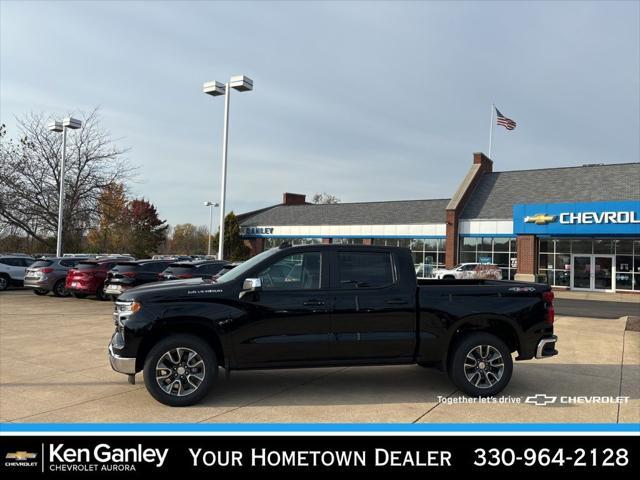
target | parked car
[
  {"x": 126, "y": 275},
  {"x": 336, "y": 305},
  {"x": 469, "y": 271},
  {"x": 12, "y": 270},
  {"x": 49, "y": 275},
  {"x": 88, "y": 277},
  {"x": 226, "y": 268},
  {"x": 203, "y": 269}
]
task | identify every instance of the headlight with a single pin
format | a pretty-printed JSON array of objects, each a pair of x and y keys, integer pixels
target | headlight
[{"x": 123, "y": 310}]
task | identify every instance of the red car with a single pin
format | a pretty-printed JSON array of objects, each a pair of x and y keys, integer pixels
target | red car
[{"x": 88, "y": 276}]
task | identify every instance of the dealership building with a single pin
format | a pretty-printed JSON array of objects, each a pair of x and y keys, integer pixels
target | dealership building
[{"x": 572, "y": 227}]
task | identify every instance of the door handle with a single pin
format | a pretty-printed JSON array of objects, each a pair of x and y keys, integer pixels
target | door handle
[
  {"x": 313, "y": 303},
  {"x": 397, "y": 301}
]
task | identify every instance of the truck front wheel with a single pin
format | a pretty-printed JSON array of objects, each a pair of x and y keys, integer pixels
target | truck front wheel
[
  {"x": 481, "y": 365},
  {"x": 180, "y": 370}
]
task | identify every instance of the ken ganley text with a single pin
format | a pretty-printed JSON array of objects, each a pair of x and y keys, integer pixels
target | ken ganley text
[{"x": 262, "y": 457}]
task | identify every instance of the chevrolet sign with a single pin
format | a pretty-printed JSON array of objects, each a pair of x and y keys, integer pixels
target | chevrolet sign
[{"x": 581, "y": 218}]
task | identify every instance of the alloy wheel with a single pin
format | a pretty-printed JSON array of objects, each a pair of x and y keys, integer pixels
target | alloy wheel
[
  {"x": 484, "y": 366},
  {"x": 180, "y": 371}
]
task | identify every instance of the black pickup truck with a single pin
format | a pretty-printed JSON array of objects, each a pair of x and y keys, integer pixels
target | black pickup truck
[{"x": 327, "y": 305}]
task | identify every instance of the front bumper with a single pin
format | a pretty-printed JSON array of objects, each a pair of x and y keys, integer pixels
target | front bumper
[
  {"x": 122, "y": 364},
  {"x": 547, "y": 347}
]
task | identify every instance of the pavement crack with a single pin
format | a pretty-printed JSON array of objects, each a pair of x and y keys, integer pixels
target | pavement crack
[{"x": 432, "y": 408}]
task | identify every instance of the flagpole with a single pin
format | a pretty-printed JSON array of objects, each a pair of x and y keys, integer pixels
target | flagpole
[{"x": 493, "y": 107}]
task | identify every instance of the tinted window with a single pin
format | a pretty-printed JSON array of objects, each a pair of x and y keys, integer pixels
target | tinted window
[
  {"x": 179, "y": 270},
  {"x": 364, "y": 269},
  {"x": 300, "y": 271},
  {"x": 211, "y": 268},
  {"x": 68, "y": 263},
  {"x": 41, "y": 263},
  {"x": 155, "y": 267},
  {"x": 86, "y": 265},
  {"x": 13, "y": 262},
  {"x": 27, "y": 261}
]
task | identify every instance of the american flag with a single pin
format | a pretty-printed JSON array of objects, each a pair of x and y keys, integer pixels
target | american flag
[{"x": 504, "y": 121}]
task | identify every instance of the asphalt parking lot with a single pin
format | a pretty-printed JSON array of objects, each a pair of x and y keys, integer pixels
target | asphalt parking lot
[{"x": 53, "y": 368}]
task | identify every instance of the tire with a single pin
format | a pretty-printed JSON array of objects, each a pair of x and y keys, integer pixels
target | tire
[
  {"x": 487, "y": 377},
  {"x": 40, "y": 292},
  {"x": 59, "y": 289},
  {"x": 100, "y": 295},
  {"x": 165, "y": 354},
  {"x": 79, "y": 295},
  {"x": 4, "y": 282}
]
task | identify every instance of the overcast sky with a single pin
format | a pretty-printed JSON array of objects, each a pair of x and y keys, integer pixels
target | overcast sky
[{"x": 364, "y": 100}]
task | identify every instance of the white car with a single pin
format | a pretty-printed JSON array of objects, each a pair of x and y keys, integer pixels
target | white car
[
  {"x": 467, "y": 271},
  {"x": 12, "y": 269}
]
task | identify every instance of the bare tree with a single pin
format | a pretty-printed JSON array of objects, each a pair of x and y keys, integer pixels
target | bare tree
[
  {"x": 325, "y": 198},
  {"x": 30, "y": 177}
]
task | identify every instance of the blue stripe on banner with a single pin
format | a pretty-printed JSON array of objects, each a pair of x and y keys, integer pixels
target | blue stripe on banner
[{"x": 322, "y": 427}]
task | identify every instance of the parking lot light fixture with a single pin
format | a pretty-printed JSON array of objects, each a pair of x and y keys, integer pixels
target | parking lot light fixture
[
  {"x": 210, "y": 205},
  {"x": 58, "y": 127},
  {"x": 241, "y": 83}
]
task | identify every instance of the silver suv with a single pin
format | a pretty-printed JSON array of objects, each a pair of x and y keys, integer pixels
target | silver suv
[
  {"x": 12, "y": 269},
  {"x": 49, "y": 275}
]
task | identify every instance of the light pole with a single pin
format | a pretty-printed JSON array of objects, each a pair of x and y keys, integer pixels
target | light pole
[
  {"x": 210, "y": 205},
  {"x": 241, "y": 83},
  {"x": 73, "y": 124}
]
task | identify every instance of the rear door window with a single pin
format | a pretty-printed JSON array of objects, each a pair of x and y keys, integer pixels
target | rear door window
[
  {"x": 365, "y": 270},
  {"x": 41, "y": 263},
  {"x": 68, "y": 263}
]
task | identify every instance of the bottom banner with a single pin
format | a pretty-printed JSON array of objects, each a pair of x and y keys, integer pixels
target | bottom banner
[{"x": 125, "y": 455}]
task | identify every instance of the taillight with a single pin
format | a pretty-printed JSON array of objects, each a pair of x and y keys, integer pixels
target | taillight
[
  {"x": 46, "y": 270},
  {"x": 129, "y": 274},
  {"x": 547, "y": 298},
  {"x": 183, "y": 275}
]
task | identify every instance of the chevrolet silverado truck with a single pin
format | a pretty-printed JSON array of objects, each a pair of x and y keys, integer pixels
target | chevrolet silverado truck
[{"x": 327, "y": 305}]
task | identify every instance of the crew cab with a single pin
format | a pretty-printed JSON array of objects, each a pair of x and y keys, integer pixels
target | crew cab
[{"x": 327, "y": 305}]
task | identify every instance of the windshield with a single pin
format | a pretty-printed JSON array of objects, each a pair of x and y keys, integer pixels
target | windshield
[{"x": 243, "y": 268}]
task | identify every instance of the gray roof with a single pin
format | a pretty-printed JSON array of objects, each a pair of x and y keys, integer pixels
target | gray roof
[
  {"x": 496, "y": 193},
  {"x": 402, "y": 212}
]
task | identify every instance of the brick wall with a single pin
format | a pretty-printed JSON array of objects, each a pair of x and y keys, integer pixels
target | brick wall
[{"x": 527, "y": 255}]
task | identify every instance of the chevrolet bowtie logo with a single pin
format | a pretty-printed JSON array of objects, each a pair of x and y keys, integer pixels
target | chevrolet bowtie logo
[
  {"x": 540, "y": 399},
  {"x": 540, "y": 219},
  {"x": 20, "y": 455}
]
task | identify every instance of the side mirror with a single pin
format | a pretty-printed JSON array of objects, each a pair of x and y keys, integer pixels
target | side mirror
[{"x": 250, "y": 285}]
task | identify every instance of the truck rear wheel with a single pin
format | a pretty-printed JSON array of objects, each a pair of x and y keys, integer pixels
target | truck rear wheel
[
  {"x": 481, "y": 365},
  {"x": 180, "y": 370}
]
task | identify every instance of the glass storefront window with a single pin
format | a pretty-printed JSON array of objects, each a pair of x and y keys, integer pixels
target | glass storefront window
[
  {"x": 563, "y": 246},
  {"x": 582, "y": 246},
  {"x": 556, "y": 264},
  {"x": 500, "y": 244},
  {"x": 624, "y": 246},
  {"x": 546, "y": 245},
  {"x": 603, "y": 246},
  {"x": 469, "y": 244},
  {"x": 563, "y": 261}
]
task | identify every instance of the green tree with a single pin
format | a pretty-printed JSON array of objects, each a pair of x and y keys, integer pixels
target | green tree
[
  {"x": 188, "y": 239},
  {"x": 110, "y": 234},
  {"x": 146, "y": 231},
  {"x": 234, "y": 247}
]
